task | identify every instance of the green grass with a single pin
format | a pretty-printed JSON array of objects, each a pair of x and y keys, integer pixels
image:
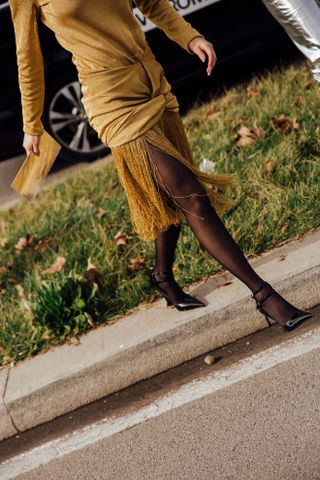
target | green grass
[{"x": 278, "y": 199}]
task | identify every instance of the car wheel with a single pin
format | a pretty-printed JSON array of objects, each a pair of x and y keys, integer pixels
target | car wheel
[{"x": 66, "y": 120}]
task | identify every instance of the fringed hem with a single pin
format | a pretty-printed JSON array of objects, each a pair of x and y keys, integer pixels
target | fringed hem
[{"x": 151, "y": 212}]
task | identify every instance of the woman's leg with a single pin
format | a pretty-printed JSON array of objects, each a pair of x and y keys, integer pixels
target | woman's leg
[
  {"x": 165, "y": 245},
  {"x": 301, "y": 20},
  {"x": 172, "y": 176}
]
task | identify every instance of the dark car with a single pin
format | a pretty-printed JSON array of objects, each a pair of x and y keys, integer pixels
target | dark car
[{"x": 239, "y": 29}]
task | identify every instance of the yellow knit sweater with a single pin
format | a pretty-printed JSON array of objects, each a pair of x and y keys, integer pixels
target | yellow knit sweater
[{"x": 104, "y": 37}]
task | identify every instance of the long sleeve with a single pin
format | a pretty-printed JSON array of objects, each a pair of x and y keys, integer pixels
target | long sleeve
[
  {"x": 30, "y": 64},
  {"x": 164, "y": 16}
]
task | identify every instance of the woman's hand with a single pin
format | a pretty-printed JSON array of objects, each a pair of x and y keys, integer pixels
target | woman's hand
[
  {"x": 204, "y": 49},
  {"x": 31, "y": 143}
]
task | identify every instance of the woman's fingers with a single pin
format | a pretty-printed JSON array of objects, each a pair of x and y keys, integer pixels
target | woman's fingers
[
  {"x": 207, "y": 51},
  {"x": 204, "y": 49},
  {"x": 212, "y": 59},
  {"x": 35, "y": 147},
  {"x": 31, "y": 143}
]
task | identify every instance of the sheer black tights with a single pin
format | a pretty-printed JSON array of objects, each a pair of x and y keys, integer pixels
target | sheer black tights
[{"x": 171, "y": 175}]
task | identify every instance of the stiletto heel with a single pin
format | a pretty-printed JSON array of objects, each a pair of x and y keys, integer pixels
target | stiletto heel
[
  {"x": 185, "y": 301},
  {"x": 298, "y": 317}
]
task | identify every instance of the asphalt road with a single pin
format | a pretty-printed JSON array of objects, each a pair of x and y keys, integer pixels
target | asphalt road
[{"x": 253, "y": 414}]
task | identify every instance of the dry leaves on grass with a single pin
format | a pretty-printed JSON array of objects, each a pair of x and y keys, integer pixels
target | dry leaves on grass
[
  {"x": 213, "y": 113},
  {"x": 84, "y": 202},
  {"x": 136, "y": 263},
  {"x": 251, "y": 92},
  {"x": 42, "y": 245},
  {"x": 23, "y": 242},
  {"x": 56, "y": 267},
  {"x": 92, "y": 273},
  {"x": 283, "y": 124},
  {"x": 100, "y": 213},
  {"x": 246, "y": 136},
  {"x": 91, "y": 269},
  {"x": 121, "y": 239},
  {"x": 268, "y": 165}
]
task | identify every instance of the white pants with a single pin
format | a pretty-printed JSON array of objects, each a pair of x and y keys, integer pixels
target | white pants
[{"x": 301, "y": 20}]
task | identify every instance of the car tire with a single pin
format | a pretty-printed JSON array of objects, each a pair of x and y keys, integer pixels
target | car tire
[{"x": 65, "y": 119}]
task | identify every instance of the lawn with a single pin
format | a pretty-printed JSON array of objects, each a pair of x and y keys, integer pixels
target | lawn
[{"x": 70, "y": 261}]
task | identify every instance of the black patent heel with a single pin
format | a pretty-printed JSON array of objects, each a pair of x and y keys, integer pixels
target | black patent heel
[
  {"x": 298, "y": 317},
  {"x": 185, "y": 301}
]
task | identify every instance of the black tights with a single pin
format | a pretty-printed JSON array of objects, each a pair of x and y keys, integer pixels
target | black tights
[{"x": 211, "y": 233}]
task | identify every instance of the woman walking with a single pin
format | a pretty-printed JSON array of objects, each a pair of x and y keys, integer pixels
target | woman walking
[{"x": 129, "y": 103}]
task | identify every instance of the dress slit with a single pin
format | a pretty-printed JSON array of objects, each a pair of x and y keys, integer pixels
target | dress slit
[{"x": 154, "y": 209}]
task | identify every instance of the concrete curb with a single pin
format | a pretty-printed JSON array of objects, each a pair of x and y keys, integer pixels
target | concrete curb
[{"x": 152, "y": 340}]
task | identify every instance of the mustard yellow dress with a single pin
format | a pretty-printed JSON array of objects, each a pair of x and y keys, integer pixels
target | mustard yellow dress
[{"x": 126, "y": 96}]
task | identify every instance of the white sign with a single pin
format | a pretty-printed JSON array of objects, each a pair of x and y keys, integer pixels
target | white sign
[{"x": 184, "y": 7}]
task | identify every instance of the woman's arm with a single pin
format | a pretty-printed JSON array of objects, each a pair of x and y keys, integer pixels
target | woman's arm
[
  {"x": 164, "y": 16},
  {"x": 30, "y": 66}
]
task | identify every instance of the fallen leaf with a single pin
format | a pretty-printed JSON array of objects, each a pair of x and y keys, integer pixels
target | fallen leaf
[
  {"x": 246, "y": 136},
  {"x": 91, "y": 270},
  {"x": 121, "y": 239},
  {"x": 100, "y": 213},
  {"x": 251, "y": 92},
  {"x": 269, "y": 165},
  {"x": 42, "y": 245},
  {"x": 45, "y": 336},
  {"x": 258, "y": 131},
  {"x": 295, "y": 123},
  {"x": 56, "y": 267},
  {"x": 281, "y": 122},
  {"x": 24, "y": 242},
  {"x": 136, "y": 263},
  {"x": 213, "y": 113},
  {"x": 281, "y": 258}
]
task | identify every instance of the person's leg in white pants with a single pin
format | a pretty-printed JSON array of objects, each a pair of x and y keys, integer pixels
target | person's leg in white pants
[{"x": 301, "y": 20}]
